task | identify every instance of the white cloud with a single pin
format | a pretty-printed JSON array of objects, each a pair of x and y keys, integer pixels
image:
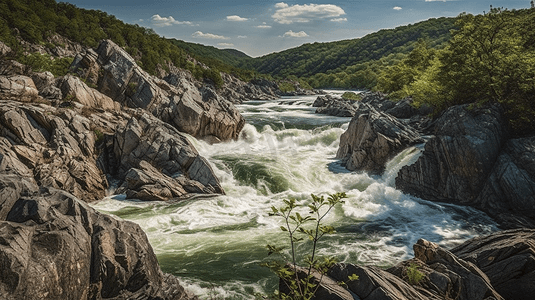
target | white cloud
[
  {"x": 339, "y": 20},
  {"x": 264, "y": 26},
  {"x": 397, "y": 8},
  {"x": 225, "y": 44},
  {"x": 199, "y": 34},
  {"x": 242, "y": 36},
  {"x": 159, "y": 21},
  {"x": 286, "y": 14},
  {"x": 299, "y": 34},
  {"x": 236, "y": 18}
]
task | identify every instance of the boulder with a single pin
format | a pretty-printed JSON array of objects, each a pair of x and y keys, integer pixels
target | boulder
[
  {"x": 507, "y": 258},
  {"x": 457, "y": 160},
  {"x": 54, "y": 246},
  {"x": 18, "y": 87},
  {"x": 373, "y": 138},
  {"x": 157, "y": 162}
]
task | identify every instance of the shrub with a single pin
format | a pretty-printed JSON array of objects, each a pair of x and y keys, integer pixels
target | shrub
[{"x": 297, "y": 229}]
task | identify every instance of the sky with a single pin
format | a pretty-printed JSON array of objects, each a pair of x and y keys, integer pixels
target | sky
[{"x": 259, "y": 27}]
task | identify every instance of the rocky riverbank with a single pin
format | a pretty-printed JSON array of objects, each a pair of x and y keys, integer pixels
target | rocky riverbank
[
  {"x": 468, "y": 157},
  {"x": 63, "y": 140}
]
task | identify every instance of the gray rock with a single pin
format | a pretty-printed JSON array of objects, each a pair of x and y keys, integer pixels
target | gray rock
[
  {"x": 374, "y": 283},
  {"x": 76, "y": 89},
  {"x": 372, "y": 139},
  {"x": 466, "y": 280},
  {"x": 507, "y": 258},
  {"x": 334, "y": 106},
  {"x": 236, "y": 91},
  {"x": 509, "y": 192},
  {"x": 54, "y": 147},
  {"x": 12, "y": 67},
  {"x": 56, "y": 247},
  {"x": 457, "y": 160},
  {"x": 176, "y": 101},
  {"x": 152, "y": 155}
]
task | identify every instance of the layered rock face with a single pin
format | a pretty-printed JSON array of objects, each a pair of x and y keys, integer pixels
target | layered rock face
[
  {"x": 510, "y": 188},
  {"x": 469, "y": 160},
  {"x": 493, "y": 267},
  {"x": 508, "y": 260},
  {"x": 54, "y": 246},
  {"x": 176, "y": 100}
]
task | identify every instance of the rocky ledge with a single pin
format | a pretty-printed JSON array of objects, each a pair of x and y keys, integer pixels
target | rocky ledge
[{"x": 494, "y": 267}]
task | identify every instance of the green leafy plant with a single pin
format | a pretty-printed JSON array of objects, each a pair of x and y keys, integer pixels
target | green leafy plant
[
  {"x": 301, "y": 229},
  {"x": 414, "y": 276}
]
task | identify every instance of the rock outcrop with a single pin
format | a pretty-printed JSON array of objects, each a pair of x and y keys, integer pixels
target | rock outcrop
[
  {"x": 56, "y": 146},
  {"x": 334, "y": 106},
  {"x": 509, "y": 192},
  {"x": 177, "y": 101},
  {"x": 54, "y": 246},
  {"x": 507, "y": 258},
  {"x": 18, "y": 87},
  {"x": 156, "y": 162},
  {"x": 372, "y": 139},
  {"x": 74, "y": 89},
  {"x": 457, "y": 161},
  {"x": 495, "y": 267}
]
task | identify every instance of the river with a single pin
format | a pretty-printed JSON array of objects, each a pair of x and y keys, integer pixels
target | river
[{"x": 215, "y": 244}]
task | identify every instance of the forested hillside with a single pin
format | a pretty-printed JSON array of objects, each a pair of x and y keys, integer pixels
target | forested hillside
[
  {"x": 352, "y": 63},
  {"x": 489, "y": 59}
]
